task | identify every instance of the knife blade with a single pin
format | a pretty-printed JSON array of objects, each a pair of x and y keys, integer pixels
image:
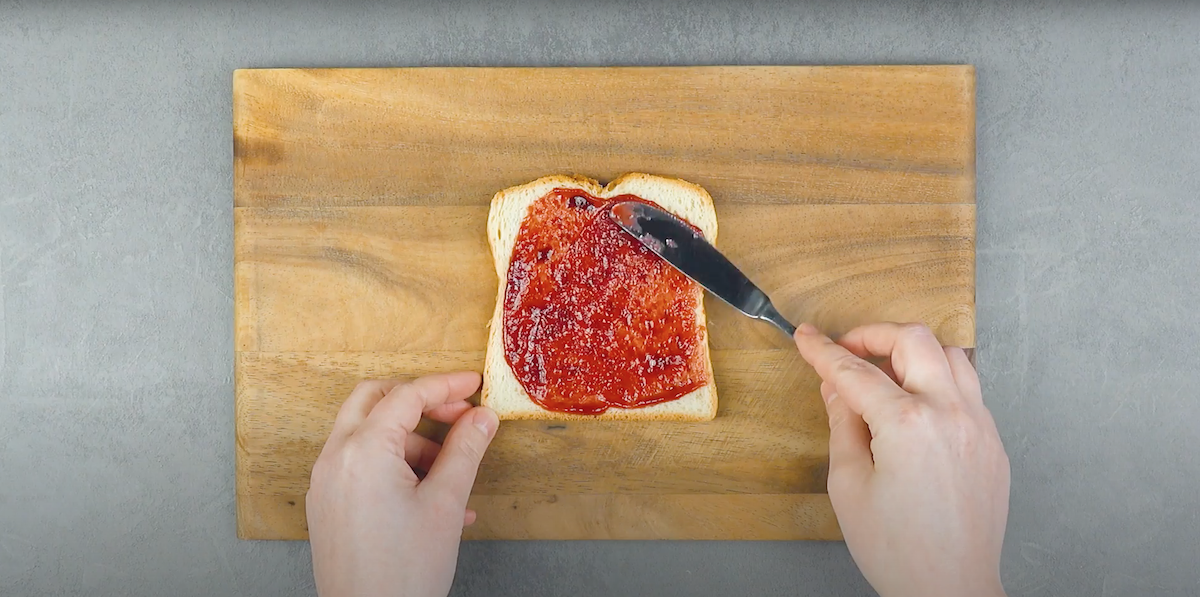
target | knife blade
[{"x": 687, "y": 251}]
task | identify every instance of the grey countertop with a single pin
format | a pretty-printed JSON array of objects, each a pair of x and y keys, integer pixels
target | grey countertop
[{"x": 116, "y": 396}]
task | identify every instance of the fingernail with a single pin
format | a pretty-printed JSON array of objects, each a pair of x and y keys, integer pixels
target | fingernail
[
  {"x": 807, "y": 329},
  {"x": 830, "y": 398},
  {"x": 486, "y": 420}
]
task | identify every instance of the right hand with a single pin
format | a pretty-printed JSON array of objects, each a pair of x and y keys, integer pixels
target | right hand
[{"x": 917, "y": 474}]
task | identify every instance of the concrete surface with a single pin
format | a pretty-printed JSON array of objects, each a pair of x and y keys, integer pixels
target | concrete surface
[{"x": 116, "y": 445}]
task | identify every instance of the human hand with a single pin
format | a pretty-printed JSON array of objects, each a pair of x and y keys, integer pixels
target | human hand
[
  {"x": 917, "y": 474},
  {"x": 375, "y": 527}
]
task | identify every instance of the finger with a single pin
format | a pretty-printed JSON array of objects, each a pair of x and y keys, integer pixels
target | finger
[
  {"x": 449, "y": 412},
  {"x": 884, "y": 365},
  {"x": 915, "y": 353},
  {"x": 453, "y": 473},
  {"x": 965, "y": 376},
  {"x": 358, "y": 405},
  {"x": 827, "y": 391},
  {"x": 400, "y": 411},
  {"x": 864, "y": 387},
  {"x": 850, "y": 460},
  {"x": 469, "y": 517},
  {"x": 888, "y": 370},
  {"x": 420, "y": 452}
]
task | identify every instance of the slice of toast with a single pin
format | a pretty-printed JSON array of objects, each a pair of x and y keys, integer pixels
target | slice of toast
[{"x": 502, "y": 391}]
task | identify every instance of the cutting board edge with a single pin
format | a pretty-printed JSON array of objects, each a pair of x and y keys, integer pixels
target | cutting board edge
[{"x": 573, "y": 517}]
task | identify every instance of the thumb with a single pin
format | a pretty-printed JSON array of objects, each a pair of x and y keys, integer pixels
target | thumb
[
  {"x": 453, "y": 471},
  {"x": 850, "y": 460}
]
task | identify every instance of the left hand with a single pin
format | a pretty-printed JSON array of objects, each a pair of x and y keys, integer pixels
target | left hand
[{"x": 375, "y": 527}]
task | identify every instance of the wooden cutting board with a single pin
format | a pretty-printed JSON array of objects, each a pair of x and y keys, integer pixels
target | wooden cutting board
[{"x": 360, "y": 252}]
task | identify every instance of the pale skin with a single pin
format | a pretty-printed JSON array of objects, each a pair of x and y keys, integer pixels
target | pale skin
[{"x": 918, "y": 476}]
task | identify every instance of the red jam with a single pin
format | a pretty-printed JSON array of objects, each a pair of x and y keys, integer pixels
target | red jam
[{"x": 592, "y": 319}]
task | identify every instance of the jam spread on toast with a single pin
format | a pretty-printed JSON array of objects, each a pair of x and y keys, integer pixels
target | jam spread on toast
[{"x": 592, "y": 319}]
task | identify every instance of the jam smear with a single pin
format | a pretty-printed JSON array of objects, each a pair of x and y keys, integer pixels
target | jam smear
[{"x": 592, "y": 319}]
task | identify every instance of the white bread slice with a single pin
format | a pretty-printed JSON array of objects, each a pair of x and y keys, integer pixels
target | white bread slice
[{"x": 501, "y": 390}]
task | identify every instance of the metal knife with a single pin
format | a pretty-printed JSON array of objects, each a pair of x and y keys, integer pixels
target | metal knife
[{"x": 685, "y": 249}]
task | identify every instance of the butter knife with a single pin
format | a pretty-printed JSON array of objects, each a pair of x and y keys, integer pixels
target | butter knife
[{"x": 685, "y": 249}]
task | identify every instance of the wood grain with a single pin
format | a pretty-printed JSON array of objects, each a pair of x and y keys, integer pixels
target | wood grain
[
  {"x": 764, "y": 440},
  {"x": 395, "y": 268},
  {"x": 776, "y": 135},
  {"x": 361, "y": 196}
]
